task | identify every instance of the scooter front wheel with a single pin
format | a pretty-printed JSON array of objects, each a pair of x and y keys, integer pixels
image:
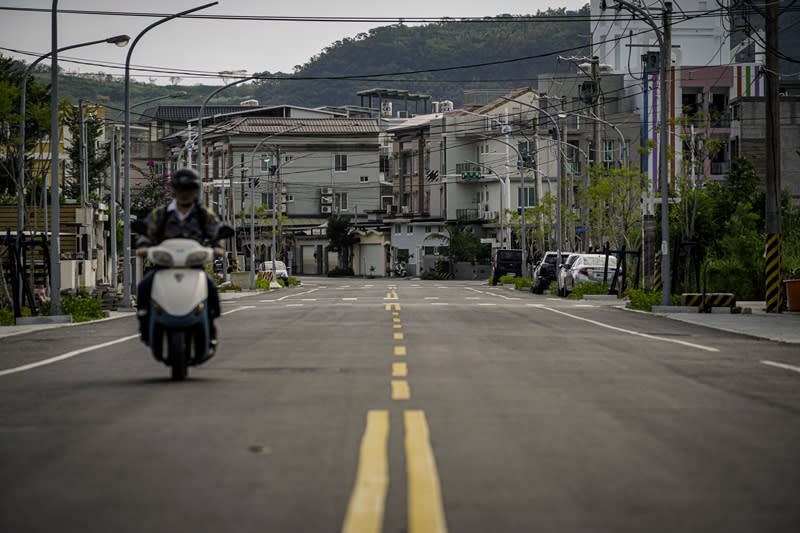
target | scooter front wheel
[{"x": 178, "y": 353}]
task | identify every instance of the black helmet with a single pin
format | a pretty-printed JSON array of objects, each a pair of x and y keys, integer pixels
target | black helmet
[{"x": 185, "y": 178}]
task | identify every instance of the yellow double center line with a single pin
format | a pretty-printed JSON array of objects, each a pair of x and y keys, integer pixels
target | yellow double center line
[{"x": 424, "y": 495}]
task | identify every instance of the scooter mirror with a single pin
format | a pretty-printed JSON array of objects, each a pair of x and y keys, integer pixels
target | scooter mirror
[
  {"x": 138, "y": 226},
  {"x": 225, "y": 232}
]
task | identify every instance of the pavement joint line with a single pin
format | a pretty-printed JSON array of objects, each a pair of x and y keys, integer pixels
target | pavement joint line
[
  {"x": 400, "y": 390},
  {"x": 368, "y": 499},
  {"x": 67, "y": 355},
  {"x": 781, "y": 365},
  {"x": 634, "y": 333},
  {"x": 400, "y": 351}
]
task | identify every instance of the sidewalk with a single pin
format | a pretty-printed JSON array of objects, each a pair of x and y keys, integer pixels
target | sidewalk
[
  {"x": 779, "y": 327},
  {"x": 8, "y": 331}
]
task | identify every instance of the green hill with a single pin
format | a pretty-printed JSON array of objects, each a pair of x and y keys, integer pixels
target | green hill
[{"x": 439, "y": 59}]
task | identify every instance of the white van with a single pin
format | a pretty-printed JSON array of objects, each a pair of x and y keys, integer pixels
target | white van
[{"x": 280, "y": 269}]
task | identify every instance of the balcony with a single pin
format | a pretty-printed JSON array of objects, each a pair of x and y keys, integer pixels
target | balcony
[{"x": 467, "y": 214}]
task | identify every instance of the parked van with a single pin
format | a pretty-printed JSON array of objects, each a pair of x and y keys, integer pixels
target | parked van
[{"x": 506, "y": 262}]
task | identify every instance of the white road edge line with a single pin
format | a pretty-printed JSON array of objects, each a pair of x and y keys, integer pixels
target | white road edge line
[
  {"x": 242, "y": 308},
  {"x": 782, "y": 365},
  {"x": 67, "y": 355},
  {"x": 635, "y": 333}
]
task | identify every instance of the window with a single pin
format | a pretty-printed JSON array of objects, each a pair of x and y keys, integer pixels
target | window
[
  {"x": 266, "y": 199},
  {"x": 266, "y": 162},
  {"x": 608, "y": 153},
  {"x": 364, "y": 179},
  {"x": 383, "y": 164},
  {"x": 340, "y": 163},
  {"x": 410, "y": 229},
  {"x": 427, "y": 229},
  {"x": 398, "y": 228},
  {"x": 406, "y": 164},
  {"x": 531, "y": 197},
  {"x": 526, "y": 153},
  {"x": 290, "y": 197},
  {"x": 340, "y": 201}
]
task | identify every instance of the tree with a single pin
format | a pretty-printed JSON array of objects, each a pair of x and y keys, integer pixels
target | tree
[
  {"x": 37, "y": 129},
  {"x": 341, "y": 239},
  {"x": 614, "y": 200},
  {"x": 154, "y": 193},
  {"x": 98, "y": 158}
]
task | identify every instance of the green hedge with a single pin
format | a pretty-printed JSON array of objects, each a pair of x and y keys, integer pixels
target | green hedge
[{"x": 82, "y": 307}]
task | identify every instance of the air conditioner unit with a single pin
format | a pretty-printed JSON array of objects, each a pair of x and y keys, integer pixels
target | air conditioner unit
[
  {"x": 402, "y": 114},
  {"x": 283, "y": 190},
  {"x": 326, "y": 200},
  {"x": 326, "y": 191},
  {"x": 435, "y": 106},
  {"x": 404, "y": 209},
  {"x": 325, "y": 209}
]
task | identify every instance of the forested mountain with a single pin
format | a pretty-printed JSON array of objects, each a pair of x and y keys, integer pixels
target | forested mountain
[{"x": 440, "y": 59}]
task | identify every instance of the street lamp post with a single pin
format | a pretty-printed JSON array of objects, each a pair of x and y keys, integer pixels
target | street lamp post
[
  {"x": 126, "y": 272},
  {"x": 200, "y": 117},
  {"x": 662, "y": 33},
  {"x": 253, "y": 206},
  {"x": 119, "y": 40},
  {"x": 558, "y": 177},
  {"x": 502, "y": 193}
]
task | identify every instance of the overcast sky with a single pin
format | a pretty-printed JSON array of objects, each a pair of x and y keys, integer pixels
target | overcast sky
[{"x": 219, "y": 45}]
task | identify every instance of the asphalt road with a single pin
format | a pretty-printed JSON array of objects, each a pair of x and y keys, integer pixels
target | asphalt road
[{"x": 399, "y": 405}]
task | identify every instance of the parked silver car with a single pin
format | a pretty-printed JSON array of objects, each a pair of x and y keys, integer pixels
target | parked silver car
[{"x": 589, "y": 267}]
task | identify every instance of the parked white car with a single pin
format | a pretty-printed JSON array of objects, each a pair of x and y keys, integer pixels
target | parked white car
[
  {"x": 280, "y": 269},
  {"x": 563, "y": 270},
  {"x": 590, "y": 267}
]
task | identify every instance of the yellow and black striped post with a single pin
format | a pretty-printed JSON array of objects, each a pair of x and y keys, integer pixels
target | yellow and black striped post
[
  {"x": 657, "y": 285},
  {"x": 772, "y": 269}
]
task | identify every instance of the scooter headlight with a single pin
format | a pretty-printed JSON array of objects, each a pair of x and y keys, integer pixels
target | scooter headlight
[
  {"x": 199, "y": 309},
  {"x": 161, "y": 258},
  {"x": 196, "y": 258}
]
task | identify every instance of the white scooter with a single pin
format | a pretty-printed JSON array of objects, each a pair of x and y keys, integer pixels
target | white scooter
[{"x": 179, "y": 303}]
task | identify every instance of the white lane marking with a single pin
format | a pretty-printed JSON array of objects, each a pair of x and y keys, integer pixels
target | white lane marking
[
  {"x": 534, "y": 305},
  {"x": 584, "y": 305},
  {"x": 308, "y": 299},
  {"x": 431, "y": 297},
  {"x": 472, "y": 298},
  {"x": 295, "y": 305},
  {"x": 66, "y": 355},
  {"x": 265, "y": 301},
  {"x": 241, "y": 308},
  {"x": 782, "y": 365},
  {"x": 493, "y": 294},
  {"x": 349, "y": 299},
  {"x": 486, "y": 304},
  {"x": 298, "y": 294},
  {"x": 635, "y": 333},
  {"x": 554, "y": 299},
  {"x": 439, "y": 303}
]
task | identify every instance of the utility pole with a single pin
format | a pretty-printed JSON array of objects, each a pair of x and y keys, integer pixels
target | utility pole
[
  {"x": 666, "y": 60},
  {"x": 598, "y": 132},
  {"x": 772, "y": 264}
]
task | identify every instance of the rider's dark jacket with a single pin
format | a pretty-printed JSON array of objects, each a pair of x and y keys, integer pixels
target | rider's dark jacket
[{"x": 164, "y": 222}]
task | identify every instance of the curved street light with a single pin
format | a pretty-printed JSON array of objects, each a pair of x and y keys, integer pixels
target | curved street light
[
  {"x": 126, "y": 228},
  {"x": 201, "y": 116},
  {"x": 558, "y": 175},
  {"x": 119, "y": 40},
  {"x": 253, "y": 206}
]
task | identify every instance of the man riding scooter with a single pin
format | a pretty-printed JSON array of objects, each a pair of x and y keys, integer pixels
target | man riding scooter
[{"x": 182, "y": 218}]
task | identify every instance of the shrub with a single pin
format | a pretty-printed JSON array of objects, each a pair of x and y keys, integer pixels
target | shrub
[
  {"x": 553, "y": 287},
  {"x": 82, "y": 307},
  {"x": 292, "y": 281},
  {"x": 6, "y": 317},
  {"x": 522, "y": 284},
  {"x": 591, "y": 287},
  {"x": 262, "y": 284},
  {"x": 508, "y": 278},
  {"x": 230, "y": 288},
  {"x": 642, "y": 300}
]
